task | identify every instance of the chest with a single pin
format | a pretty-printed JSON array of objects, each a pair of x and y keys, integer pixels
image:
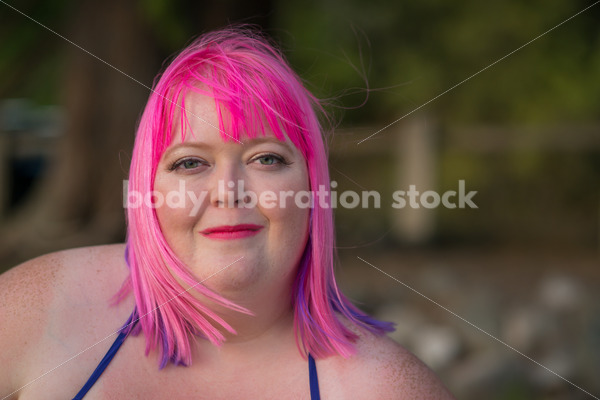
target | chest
[{"x": 131, "y": 376}]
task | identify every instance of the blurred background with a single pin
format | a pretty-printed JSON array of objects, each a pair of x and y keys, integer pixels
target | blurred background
[{"x": 525, "y": 134}]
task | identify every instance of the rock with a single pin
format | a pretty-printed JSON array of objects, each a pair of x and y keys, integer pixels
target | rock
[
  {"x": 484, "y": 372},
  {"x": 438, "y": 280},
  {"x": 481, "y": 308},
  {"x": 561, "y": 362},
  {"x": 437, "y": 346},
  {"x": 560, "y": 293},
  {"x": 524, "y": 327}
]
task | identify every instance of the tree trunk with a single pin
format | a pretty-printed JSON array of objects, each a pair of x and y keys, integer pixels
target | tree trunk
[{"x": 79, "y": 203}]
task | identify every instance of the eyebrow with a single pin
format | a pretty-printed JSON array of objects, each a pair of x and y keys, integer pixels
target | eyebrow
[
  {"x": 260, "y": 140},
  {"x": 175, "y": 147},
  {"x": 248, "y": 142}
]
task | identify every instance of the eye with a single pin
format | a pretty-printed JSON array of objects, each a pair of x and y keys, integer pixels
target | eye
[
  {"x": 187, "y": 164},
  {"x": 267, "y": 160},
  {"x": 190, "y": 164},
  {"x": 270, "y": 159}
]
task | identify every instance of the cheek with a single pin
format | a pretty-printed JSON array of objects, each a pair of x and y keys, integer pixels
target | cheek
[
  {"x": 289, "y": 219},
  {"x": 288, "y": 235},
  {"x": 179, "y": 211},
  {"x": 173, "y": 218},
  {"x": 285, "y": 197}
]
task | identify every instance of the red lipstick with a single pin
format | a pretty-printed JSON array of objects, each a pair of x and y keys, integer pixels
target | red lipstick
[{"x": 228, "y": 232}]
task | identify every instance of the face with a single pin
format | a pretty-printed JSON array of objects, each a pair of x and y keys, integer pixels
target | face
[{"x": 223, "y": 203}]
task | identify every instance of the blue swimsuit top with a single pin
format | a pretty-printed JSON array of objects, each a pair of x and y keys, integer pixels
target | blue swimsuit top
[{"x": 312, "y": 369}]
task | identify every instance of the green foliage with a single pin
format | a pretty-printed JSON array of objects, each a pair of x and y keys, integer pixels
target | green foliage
[
  {"x": 30, "y": 56},
  {"x": 418, "y": 50},
  {"x": 166, "y": 20},
  {"x": 394, "y": 56}
]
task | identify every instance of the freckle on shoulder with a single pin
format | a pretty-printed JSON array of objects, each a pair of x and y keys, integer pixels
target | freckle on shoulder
[
  {"x": 390, "y": 371},
  {"x": 30, "y": 284}
]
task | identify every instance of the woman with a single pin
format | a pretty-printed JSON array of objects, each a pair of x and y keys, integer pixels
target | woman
[{"x": 227, "y": 285}]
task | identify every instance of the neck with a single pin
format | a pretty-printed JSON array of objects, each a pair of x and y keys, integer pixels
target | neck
[
  {"x": 270, "y": 327},
  {"x": 266, "y": 319}
]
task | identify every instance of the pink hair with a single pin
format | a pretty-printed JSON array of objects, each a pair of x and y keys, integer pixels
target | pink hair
[{"x": 251, "y": 81}]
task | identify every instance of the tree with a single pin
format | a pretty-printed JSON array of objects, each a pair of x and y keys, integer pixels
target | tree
[{"x": 79, "y": 202}]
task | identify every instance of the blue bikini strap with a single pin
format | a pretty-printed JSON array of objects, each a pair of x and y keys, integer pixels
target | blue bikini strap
[
  {"x": 314, "y": 379},
  {"x": 106, "y": 360}
]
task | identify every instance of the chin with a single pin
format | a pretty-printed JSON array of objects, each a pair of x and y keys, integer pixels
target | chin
[{"x": 239, "y": 277}]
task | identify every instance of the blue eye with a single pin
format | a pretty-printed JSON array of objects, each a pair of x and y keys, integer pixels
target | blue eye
[
  {"x": 267, "y": 160},
  {"x": 187, "y": 164},
  {"x": 190, "y": 164},
  {"x": 270, "y": 159}
]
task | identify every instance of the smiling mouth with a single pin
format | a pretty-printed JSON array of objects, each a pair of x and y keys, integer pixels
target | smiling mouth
[{"x": 227, "y": 232}]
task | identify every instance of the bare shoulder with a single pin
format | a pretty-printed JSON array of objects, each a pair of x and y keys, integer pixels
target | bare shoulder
[
  {"x": 396, "y": 372},
  {"x": 39, "y": 294},
  {"x": 28, "y": 291},
  {"x": 383, "y": 369},
  {"x": 38, "y": 279}
]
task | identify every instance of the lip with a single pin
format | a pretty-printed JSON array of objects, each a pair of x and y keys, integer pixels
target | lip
[{"x": 229, "y": 232}]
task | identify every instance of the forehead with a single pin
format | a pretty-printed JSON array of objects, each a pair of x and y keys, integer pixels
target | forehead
[{"x": 200, "y": 119}]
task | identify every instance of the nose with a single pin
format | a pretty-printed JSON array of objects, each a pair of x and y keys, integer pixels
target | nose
[{"x": 229, "y": 188}]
